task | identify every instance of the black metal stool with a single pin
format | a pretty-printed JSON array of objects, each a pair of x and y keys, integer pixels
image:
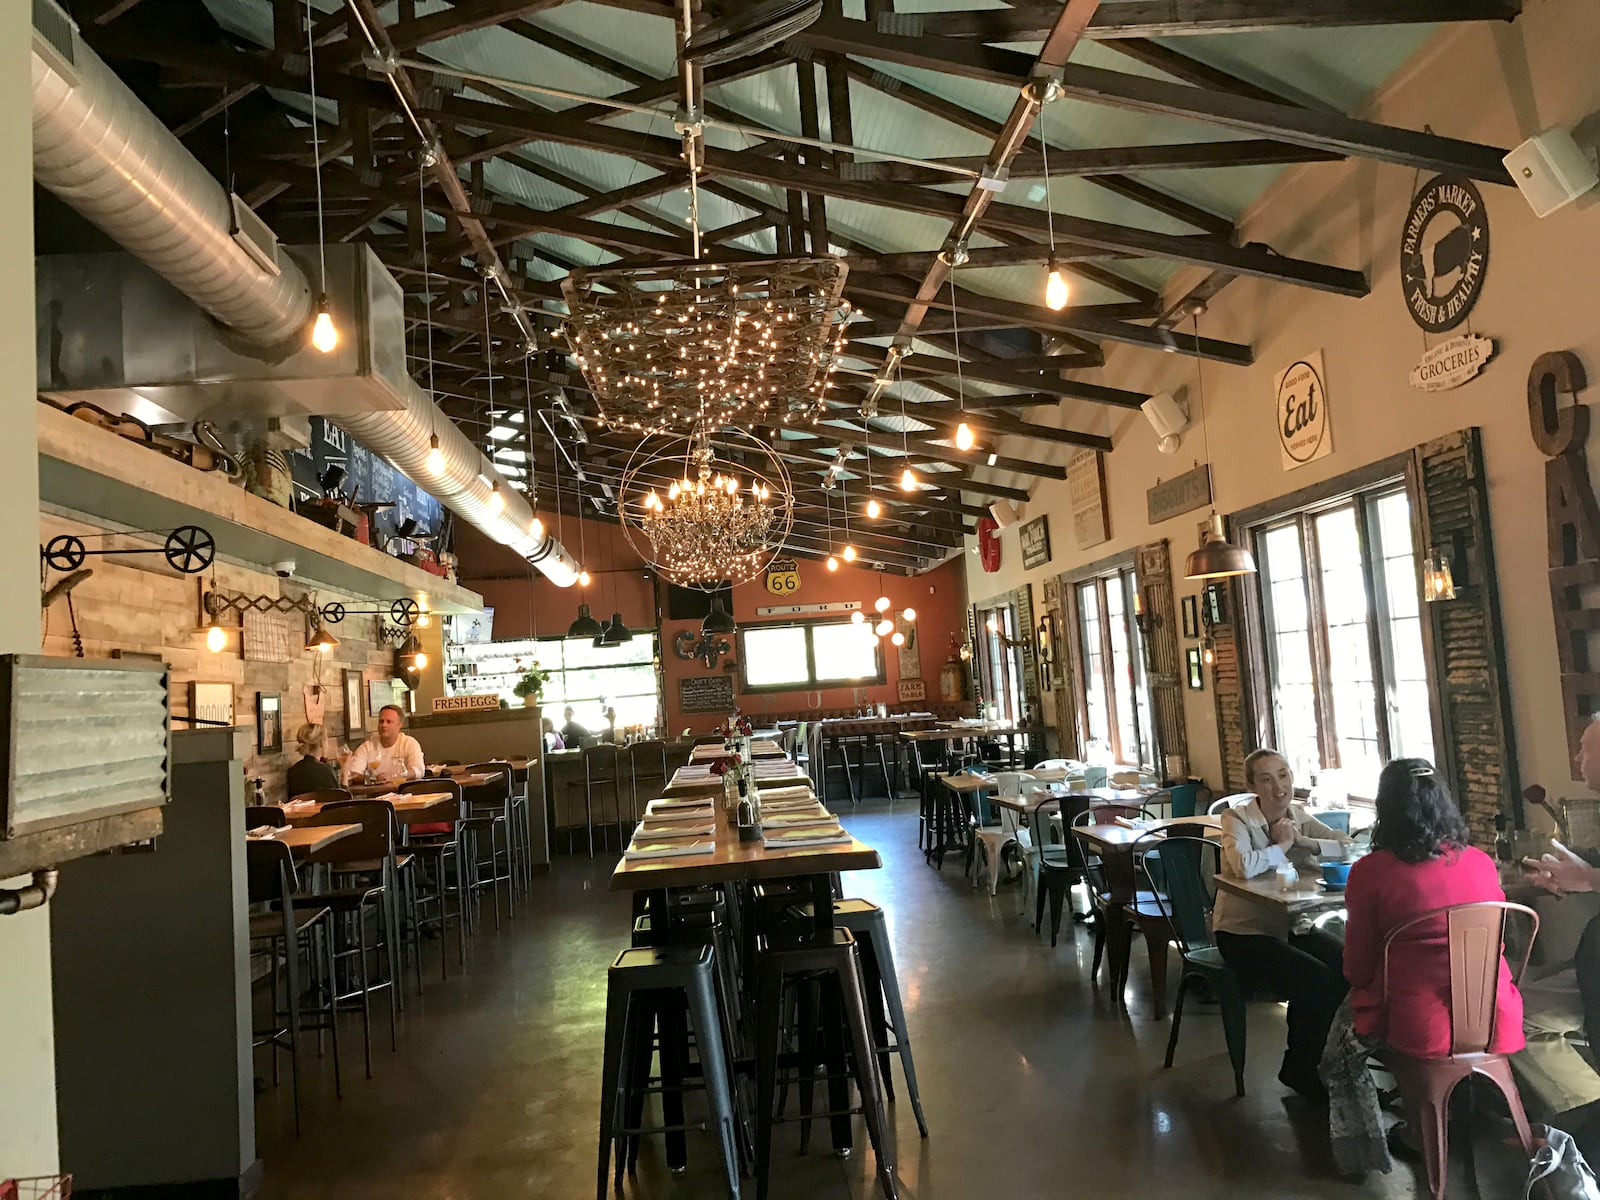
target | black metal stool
[
  {"x": 882, "y": 985},
  {"x": 646, "y": 988},
  {"x": 830, "y": 958},
  {"x": 869, "y": 744}
]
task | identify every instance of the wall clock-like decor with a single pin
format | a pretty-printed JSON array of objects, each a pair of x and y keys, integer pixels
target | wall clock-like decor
[
  {"x": 988, "y": 544},
  {"x": 1444, "y": 253}
]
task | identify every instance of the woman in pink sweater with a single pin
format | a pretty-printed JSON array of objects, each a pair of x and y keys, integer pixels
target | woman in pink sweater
[{"x": 1421, "y": 860}]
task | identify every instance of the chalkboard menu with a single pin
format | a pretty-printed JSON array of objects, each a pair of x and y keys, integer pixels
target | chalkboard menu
[
  {"x": 706, "y": 694},
  {"x": 369, "y": 477}
]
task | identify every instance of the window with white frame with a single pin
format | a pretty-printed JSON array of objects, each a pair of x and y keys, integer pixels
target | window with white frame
[
  {"x": 1114, "y": 706},
  {"x": 1346, "y": 678}
]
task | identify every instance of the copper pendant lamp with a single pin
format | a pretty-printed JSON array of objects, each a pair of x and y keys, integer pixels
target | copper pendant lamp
[{"x": 1218, "y": 558}]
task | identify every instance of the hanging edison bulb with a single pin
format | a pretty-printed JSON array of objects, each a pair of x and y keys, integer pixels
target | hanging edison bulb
[
  {"x": 583, "y": 579},
  {"x": 908, "y": 480},
  {"x": 857, "y": 617},
  {"x": 536, "y": 527},
  {"x": 419, "y": 660},
  {"x": 898, "y": 638},
  {"x": 1056, "y": 291},
  {"x": 216, "y": 637},
  {"x": 884, "y": 627},
  {"x": 909, "y": 614},
  {"x": 497, "y": 501},
  {"x": 849, "y": 554},
  {"x": 324, "y": 334},
  {"x": 881, "y": 604},
  {"x": 435, "y": 456},
  {"x": 874, "y": 510},
  {"x": 833, "y": 563},
  {"x": 965, "y": 438}
]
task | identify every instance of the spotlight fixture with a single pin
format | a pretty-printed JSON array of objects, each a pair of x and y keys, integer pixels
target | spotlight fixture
[
  {"x": 435, "y": 456},
  {"x": 324, "y": 334}
]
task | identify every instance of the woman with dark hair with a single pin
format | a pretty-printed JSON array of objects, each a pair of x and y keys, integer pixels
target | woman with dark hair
[{"x": 1421, "y": 860}]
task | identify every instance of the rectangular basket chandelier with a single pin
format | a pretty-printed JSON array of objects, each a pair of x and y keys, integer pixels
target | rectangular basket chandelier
[{"x": 697, "y": 344}]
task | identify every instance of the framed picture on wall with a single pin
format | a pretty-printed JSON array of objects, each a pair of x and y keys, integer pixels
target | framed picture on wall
[
  {"x": 1047, "y": 653},
  {"x": 355, "y": 707},
  {"x": 1197, "y": 678},
  {"x": 269, "y": 723},
  {"x": 1216, "y": 602},
  {"x": 1191, "y": 617},
  {"x": 211, "y": 703}
]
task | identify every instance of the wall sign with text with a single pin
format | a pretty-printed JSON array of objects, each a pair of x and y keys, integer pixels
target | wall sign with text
[
  {"x": 783, "y": 576},
  {"x": 1034, "y": 537},
  {"x": 1301, "y": 412},
  {"x": 479, "y": 703},
  {"x": 1452, "y": 363},
  {"x": 1444, "y": 253},
  {"x": 1086, "y": 492}
]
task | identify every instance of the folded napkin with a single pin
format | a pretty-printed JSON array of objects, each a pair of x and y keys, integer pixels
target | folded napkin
[
  {"x": 793, "y": 820},
  {"x": 808, "y": 835},
  {"x": 801, "y": 791},
  {"x": 688, "y": 806},
  {"x": 658, "y": 831},
  {"x": 261, "y": 832},
  {"x": 667, "y": 849}
]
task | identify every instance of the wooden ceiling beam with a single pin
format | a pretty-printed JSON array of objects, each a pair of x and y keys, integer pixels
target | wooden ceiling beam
[
  {"x": 995, "y": 371},
  {"x": 1178, "y": 18},
  {"x": 1289, "y": 123},
  {"x": 464, "y": 16},
  {"x": 1185, "y": 156}
]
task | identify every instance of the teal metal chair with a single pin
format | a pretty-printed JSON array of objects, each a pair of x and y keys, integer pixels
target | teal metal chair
[{"x": 1184, "y": 888}]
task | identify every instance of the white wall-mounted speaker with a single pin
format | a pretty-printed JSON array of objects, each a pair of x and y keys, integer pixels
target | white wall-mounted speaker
[
  {"x": 1552, "y": 170},
  {"x": 1167, "y": 418},
  {"x": 1004, "y": 513}
]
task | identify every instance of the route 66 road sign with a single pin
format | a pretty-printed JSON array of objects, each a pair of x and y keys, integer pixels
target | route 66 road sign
[{"x": 783, "y": 577}]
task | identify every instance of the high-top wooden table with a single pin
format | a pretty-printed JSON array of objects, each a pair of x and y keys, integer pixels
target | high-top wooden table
[
  {"x": 306, "y": 840},
  {"x": 419, "y": 808}
]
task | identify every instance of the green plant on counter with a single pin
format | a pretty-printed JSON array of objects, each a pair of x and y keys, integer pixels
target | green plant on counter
[{"x": 532, "y": 682}]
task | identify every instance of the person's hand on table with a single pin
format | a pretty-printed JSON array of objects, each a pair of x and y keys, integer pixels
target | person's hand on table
[{"x": 1561, "y": 871}]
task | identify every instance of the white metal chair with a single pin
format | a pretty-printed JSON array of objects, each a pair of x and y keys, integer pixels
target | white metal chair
[
  {"x": 1223, "y": 803},
  {"x": 992, "y": 840}
]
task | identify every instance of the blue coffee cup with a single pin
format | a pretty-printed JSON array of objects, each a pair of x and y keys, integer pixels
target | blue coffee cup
[{"x": 1335, "y": 874}]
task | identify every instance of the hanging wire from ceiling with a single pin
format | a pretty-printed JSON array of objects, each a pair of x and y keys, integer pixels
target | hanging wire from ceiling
[
  {"x": 324, "y": 336},
  {"x": 965, "y": 439}
]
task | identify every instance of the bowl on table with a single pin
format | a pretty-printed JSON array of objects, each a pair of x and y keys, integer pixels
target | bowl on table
[{"x": 1335, "y": 874}]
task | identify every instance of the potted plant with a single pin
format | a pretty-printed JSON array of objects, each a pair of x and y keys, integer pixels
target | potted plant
[{"x": 531, "y": 684}]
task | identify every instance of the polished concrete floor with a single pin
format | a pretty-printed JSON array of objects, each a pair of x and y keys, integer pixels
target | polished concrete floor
[{"x": 1034, "y": 1081}]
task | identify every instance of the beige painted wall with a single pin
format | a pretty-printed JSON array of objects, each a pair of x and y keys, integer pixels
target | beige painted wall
[
  {"x": 1490, "y": 83},
  {"x": 27, "y": 1044}
]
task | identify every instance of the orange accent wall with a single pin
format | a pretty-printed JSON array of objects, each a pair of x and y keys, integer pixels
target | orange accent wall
[{"x": 527, "y": 605}]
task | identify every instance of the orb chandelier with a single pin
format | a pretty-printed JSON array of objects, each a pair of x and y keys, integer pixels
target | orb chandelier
[
  {"x": 703, "y": 514},
  {"x": 669, "y": 348}
]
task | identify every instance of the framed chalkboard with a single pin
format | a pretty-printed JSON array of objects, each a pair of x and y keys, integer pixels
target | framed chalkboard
[
  {"x": 369, "y": 477},
  {"x": 706, "y": 694}
]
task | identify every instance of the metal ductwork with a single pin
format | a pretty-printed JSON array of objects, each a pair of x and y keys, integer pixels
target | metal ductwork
[{"x": 102, "y": 152}]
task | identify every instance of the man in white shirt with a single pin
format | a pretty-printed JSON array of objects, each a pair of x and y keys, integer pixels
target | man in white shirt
[
  {"x": 394, "y": 756},
  {"x": 1255, "y": 939}
]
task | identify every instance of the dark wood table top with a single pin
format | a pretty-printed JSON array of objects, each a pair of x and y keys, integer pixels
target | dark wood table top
[
  {"x": 304, "y": 840},
  {"x": 410, "y": 808}
]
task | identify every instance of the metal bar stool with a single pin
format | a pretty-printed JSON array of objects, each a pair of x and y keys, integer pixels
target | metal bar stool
[
  {"x": 601, "y": 766},
  {"x": 489, "y": 808},
  {"x": 444, "y": 852}
]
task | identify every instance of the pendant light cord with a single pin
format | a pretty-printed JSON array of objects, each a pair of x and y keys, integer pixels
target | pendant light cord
[
  {"x": 955, "y": 329},
  {"x": 316, "y": 144},
  {"x": 1205, "y": 409},
  {"x": 1049, "y": 209},
  {"x": 427, "y": 286}
]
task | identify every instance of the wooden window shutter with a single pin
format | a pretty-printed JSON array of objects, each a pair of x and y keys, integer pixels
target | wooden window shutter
[
  {"x": 1163, "y": 662},
  {"x": 1230, "y": 695},
  {"x": 1027, "y": 650},
  {"x": 1060, "y": 710},
  {"x": 1474, "y": 744}
]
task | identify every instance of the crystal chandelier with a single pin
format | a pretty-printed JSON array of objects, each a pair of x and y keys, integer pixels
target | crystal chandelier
[
  {"x": 700, "y": 519},
  {"x": 672, "y": 348}
]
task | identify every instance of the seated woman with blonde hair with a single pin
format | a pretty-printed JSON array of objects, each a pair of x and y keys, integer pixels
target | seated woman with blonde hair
[{"x": 311, "y": 773}]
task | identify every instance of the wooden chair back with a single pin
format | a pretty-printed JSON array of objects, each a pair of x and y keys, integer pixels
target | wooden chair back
[{"x": 376, "y": 839}]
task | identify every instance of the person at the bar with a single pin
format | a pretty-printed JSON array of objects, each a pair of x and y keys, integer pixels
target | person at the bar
[
  {"x": 311, "y": 773},
  {"x": 552, "y": 739},
  {"x": 394, "y": 756},
  {"x": 572, "y": 734},
  {"x": 1255, "y": 939}
]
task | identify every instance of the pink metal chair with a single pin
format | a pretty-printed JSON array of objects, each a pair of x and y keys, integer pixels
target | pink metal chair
[{"x": 1475, "y": 934}]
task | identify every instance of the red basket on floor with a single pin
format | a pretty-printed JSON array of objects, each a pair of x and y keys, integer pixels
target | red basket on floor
[{"x": 36, "y": 1187}]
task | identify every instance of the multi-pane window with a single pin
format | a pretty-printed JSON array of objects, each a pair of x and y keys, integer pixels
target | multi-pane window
[
  {"x": 590, "y": 678},
  {"x": 1345, "y": 669},
  {"x": 1115, "y": 694},
  {"x": 779, "y": 657},
  {"x": 1002, "y": 664}
]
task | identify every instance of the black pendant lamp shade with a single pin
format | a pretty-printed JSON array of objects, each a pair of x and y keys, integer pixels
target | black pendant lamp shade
[
  {"x": 585, "y": 626},
  {"x": 1219, "y": 558},
  {"x": 615, "y": 633},
  {"x": 719, "y": 619}
]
